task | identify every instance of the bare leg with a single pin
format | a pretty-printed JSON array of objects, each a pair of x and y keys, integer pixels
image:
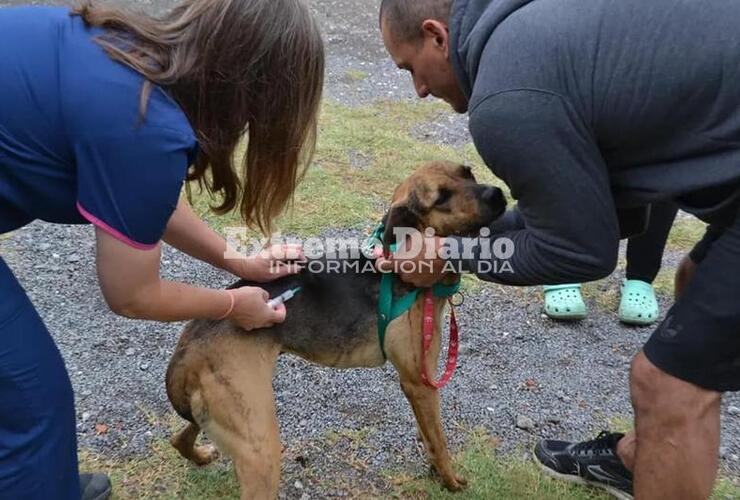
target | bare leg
[
  {"x": 677, "y": 428},
  {"x": 628, "y": 444},
  {"x": 684, "y": 272}
]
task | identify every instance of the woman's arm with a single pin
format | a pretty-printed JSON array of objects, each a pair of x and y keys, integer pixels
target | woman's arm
[
  {"x": 189, "y": 234},
  {"x": 129, "y": 279}
]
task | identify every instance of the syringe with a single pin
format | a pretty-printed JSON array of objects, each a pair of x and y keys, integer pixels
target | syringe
[{"x": 283, "y": 297}]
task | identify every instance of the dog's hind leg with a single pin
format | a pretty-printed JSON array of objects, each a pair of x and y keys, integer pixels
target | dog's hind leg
[
  {"x": 403, "y": 346},
  {"x": 238, "y": 411},
  {"x": 184, "y": 442}
]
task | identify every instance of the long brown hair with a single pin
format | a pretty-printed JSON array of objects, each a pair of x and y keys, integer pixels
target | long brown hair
[{"x": 234, "y": 67}]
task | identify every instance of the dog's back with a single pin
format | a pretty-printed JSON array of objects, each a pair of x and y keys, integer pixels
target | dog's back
[{"x": 332, "y": 321}]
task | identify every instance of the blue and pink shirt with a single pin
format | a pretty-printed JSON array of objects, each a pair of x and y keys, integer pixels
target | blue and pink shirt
[{"x": 73, "y": 146}]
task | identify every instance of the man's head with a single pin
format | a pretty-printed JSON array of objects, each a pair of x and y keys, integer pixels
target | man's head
[{"x": 416, "y": 35}]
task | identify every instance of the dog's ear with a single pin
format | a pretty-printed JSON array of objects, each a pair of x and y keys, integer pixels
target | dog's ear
[{"x": 401, "y": 215}]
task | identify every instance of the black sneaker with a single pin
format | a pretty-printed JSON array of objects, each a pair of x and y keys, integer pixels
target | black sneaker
[
  {"x": 592, "y": 462},
  {"x": 94, "y": 487}
]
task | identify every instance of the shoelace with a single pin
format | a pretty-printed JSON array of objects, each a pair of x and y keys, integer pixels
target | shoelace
[{"x": 603, "y": 444}]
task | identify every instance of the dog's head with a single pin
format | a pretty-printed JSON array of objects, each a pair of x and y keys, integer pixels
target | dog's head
[{"x": 446, "y": 197}]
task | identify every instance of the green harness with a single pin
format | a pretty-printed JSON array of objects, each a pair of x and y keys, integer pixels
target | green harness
[{"x": 390, "y": 307}]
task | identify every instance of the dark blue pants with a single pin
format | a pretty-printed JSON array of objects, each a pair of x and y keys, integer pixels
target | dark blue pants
[{"x": 38, "y": 443}]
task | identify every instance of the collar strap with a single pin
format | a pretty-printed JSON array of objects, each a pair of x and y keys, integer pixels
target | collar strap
[{"x": 390, "y": 307}]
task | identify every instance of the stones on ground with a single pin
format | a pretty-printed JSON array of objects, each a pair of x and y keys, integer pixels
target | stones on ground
[
  {"x": 525, "y": 423},
  {"x": 298, "y": 485},
  {"x": 734, "y": 411}
]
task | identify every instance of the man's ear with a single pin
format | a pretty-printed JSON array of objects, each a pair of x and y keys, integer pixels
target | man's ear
[
  {"x": 398, "y": 216},
  {"x": 438, "y": 31}
]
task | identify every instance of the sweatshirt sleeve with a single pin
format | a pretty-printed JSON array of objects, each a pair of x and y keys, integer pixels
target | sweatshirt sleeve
[{"x": 567, "y": 228}]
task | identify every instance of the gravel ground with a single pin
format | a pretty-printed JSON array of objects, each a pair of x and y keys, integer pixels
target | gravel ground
[{"x": 568, "y": 380}]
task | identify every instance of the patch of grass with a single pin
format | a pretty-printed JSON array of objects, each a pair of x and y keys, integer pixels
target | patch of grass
[
  {"x": 164, "y": 474},
  {"x": 493, "y": 476},
  {"x": 336, "y": 194},
  {"x": 355, "y": 75},
  {"x": 664, "y": 283},
  {"x": 726, "y": 490},
  {"x": 354, "y": 437},
  {"x": 621, "y": 424},
  {"x": 686, "y": 232}
]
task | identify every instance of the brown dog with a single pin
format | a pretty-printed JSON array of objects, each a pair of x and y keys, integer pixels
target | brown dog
[{"x": 220, "y": 377}]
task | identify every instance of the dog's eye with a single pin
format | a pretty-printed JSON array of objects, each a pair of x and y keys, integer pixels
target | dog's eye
[{"x": 443, "y": 197}]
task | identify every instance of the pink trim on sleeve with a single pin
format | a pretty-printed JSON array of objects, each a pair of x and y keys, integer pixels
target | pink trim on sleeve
[{"x": 116, "y": 234}]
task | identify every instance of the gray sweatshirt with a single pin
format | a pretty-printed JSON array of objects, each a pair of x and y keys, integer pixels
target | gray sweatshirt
[{"x": 590, "y": 110}]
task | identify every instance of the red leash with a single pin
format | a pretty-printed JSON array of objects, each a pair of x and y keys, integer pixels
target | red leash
[{"x": 426, "y": 343}]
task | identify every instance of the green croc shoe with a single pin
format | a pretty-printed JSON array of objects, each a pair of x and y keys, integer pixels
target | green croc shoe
[
  {"x": 638, "y": 305},
  {"x": 564, "y": 302}
]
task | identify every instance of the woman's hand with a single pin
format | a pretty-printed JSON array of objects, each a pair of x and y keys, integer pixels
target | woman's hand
[
  {"x": 251, "y": 311},
  {"x": 271, "y": 263}
]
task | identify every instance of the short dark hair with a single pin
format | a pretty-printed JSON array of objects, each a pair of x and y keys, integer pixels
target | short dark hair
[{"x": 405, "y": 16}]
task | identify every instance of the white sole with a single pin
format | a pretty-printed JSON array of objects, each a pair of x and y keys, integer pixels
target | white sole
[{"x": 579, "y": 480}]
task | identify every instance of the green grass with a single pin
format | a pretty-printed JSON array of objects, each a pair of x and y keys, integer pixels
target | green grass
[
  {"x": 355, "y": 75},
  {"x": 163, "y": 474},
  {"x": 491, "y": 475},
  {"x": 334, "y": 194},
  {"x": 685, "y": 233}
]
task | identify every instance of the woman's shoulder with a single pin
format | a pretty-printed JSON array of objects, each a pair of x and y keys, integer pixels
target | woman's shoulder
[{"x": 103, "y": 96}]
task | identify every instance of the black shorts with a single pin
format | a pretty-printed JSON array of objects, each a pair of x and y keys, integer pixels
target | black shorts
[{"x": 699, "y": 340}]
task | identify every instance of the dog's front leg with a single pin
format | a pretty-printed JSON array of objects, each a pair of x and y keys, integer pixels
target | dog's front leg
[{"x": 404, "y": 351}]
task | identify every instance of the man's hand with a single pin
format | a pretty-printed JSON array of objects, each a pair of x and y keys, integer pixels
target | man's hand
[{"x": 421, "y": 269}]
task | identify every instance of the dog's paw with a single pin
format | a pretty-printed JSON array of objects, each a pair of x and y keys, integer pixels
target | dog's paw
[
  {"x": 456, "y": 483},
  {"x": 204, "y": 455}
]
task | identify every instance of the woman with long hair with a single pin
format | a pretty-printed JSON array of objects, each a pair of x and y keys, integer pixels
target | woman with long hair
[{"x": 104, "y": 114}]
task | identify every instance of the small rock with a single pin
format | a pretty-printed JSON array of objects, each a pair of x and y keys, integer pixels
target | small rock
[
  {"x": 144, "y": 367},
  {"x": 553, "y": 419},
  {"x": 44, "y": 247},
  {"x": 130, "y": 351},
  {"x": 305, "y": 496},
  {"x": 734, "y": 411},
  {"x": 524, "y": 423},
  {"x": 723, "y": 452},
  {"x": 73, "y": 258},
  {"x": 298, "y": 485},
  {"x": 87, "y": 392},
  {"x": 492, "y": 410},
  {"x": 734, "y": 457},
  {"x": 85, "y": 416}
]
